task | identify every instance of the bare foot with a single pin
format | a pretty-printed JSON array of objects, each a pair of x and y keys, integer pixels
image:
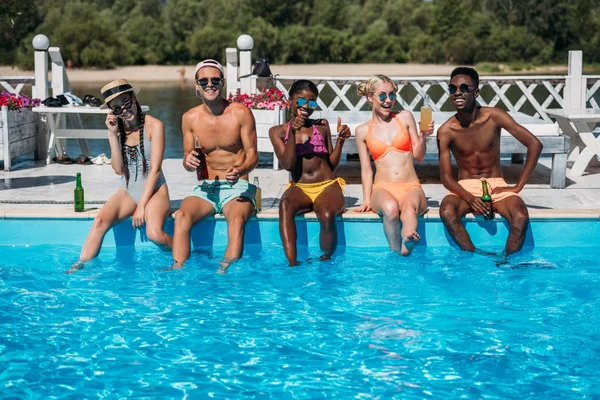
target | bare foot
[
  {"x": 485, "y": 252},
  {"x": 76, "y": 267},
  {"x": 409, "y": 242},
  {"x": 325, "y": 257},
  {"x": 176, "y": 265},
  {"x": 225, "y": 263}
]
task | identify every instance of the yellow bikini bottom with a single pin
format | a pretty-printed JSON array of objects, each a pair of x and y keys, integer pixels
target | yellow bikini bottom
[{"x": 313, "y": 190}]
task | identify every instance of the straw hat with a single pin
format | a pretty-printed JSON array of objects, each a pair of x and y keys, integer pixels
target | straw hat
[{"x": 114, "y": 89}]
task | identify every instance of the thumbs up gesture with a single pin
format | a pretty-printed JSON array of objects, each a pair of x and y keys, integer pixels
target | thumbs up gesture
[
  {"x": 343, "y": 130},
  {"x": 298, "y": 122}
]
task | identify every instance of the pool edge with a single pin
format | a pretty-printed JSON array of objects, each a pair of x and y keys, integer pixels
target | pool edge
[{"x": 273, "y": 214}]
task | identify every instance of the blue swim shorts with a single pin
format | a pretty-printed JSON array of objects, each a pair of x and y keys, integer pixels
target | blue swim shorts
[{"x": 220, "y": 192}]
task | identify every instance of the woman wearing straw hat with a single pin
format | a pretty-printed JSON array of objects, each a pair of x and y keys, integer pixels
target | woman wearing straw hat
[{"x": 137, "y": 143}]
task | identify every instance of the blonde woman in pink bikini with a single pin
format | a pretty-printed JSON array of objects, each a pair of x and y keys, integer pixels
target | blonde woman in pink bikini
[{"x": 394, "y": 142}]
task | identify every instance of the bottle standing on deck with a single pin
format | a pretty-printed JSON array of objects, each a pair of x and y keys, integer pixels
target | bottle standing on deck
[
  {"x": 426, "y": 114},
  {"x": 486, "y": 198},
  {"x": 79, "y": 203},
  {"x": 202, "y": 169},
  {"x": 258, "y": 195}
]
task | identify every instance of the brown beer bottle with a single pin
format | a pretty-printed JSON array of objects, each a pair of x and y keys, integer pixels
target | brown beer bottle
[
  {"x": 258, "y": 195},
  {"x": 202, "y": 169}
]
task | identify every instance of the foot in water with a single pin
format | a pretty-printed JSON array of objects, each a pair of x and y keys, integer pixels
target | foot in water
[
  {"x": 485, "y": 252},
  {"x": 224, "y": 264},
  {"x": 409, "y": 242},
  {"x": 76, "y": 267},
  {"x": 325, "y": 257},
  {"x": 176, "y": 265}
]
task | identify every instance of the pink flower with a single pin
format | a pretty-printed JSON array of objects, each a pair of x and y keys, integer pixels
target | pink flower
[
  {"x": 17, "y": 102},
  {"x": 264, "y": 99}
]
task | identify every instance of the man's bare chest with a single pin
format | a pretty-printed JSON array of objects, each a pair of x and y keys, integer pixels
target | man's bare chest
[
  {"x": 476, "y": 139},
  {"x": 218, "y": 135}
]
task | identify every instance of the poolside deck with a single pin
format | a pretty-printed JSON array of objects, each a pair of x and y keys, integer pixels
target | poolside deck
[{"x": 36, "y": 189}]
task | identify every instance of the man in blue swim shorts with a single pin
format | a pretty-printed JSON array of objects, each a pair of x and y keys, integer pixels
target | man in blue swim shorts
[{"x": 219, "y": 143}]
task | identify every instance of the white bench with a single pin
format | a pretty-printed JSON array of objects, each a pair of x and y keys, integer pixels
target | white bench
[
  {"x": 548, "y": 133},
  {"x": 55, "y": 119}
]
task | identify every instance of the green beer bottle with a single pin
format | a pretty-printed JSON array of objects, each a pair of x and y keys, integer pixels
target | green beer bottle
[
  {"x": 486, "y": 198},
  {"x": 79, "y": 203}
]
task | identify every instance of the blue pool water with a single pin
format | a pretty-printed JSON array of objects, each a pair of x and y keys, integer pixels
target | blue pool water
[{"x": 439, "y": 324}]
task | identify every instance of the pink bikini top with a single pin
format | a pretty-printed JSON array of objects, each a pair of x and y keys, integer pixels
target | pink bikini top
[{"x": 315, "y": 145}]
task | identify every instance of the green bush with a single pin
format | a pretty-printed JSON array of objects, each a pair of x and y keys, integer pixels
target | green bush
[
  {"x": 514, "y": 44},
  {"x": 183, "y": 31},
  {"x": 425, "y": 49}
]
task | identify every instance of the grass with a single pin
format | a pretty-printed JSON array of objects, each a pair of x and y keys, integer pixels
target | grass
[{"x": 591, "y": 69}]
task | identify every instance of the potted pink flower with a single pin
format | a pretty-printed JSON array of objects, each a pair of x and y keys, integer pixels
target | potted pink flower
[
  {"x": 265, "y": 99},
  {"x": 269, "y": 107},
  {"x": 20, "y": 130}
]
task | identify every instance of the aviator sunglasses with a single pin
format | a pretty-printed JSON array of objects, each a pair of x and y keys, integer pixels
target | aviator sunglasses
[
  {"x": 464, "y": 88},
  {"x": 203, "y": 82},
  {"x": 312, "y": 104},
  {"x": 383, "y": 96}
]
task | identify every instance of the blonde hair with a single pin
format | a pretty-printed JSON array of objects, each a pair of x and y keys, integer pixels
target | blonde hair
[{"x": 368, "y": 88}]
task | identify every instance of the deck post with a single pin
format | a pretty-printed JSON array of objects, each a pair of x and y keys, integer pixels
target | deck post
[
  {"x": 245, "y": 44},
  {"x": 231, "y": 80},
  {"x": 575, "y": 84},
  {"x": 40, "y": 44}
]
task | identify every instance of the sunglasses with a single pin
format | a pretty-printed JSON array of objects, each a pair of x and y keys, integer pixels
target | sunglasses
[
  {"x": 120, "y": 110},
  {"x": 391, "y": 96},
  {"x": 203, "y": 82},
  {"x": 464, "y": 88},
  {"x": 312, "y": 104}
]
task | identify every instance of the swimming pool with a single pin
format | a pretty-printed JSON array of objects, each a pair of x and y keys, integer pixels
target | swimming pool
[{"x": 437, "y": 324}]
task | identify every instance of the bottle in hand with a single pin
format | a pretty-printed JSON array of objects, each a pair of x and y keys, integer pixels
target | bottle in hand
[
  {"x": 486, "y": 198},
  {"x": 202, "y": 169},
  {"x": 78, "y": 195},
  {"x": 258, "y": 195},
  {"x": 426, "y": 114}
]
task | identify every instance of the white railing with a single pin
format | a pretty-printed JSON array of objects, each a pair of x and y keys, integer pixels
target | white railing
[
  {"x": 14, "y": 84},
  {"x": 593, "y": 91},
  {"x": 529, "y": 94}
]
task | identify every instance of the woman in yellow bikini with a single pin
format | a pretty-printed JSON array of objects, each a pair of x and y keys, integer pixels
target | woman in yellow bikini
[
  {"x": 304, "y": 147},
  {"x": 394, "y": 142}
]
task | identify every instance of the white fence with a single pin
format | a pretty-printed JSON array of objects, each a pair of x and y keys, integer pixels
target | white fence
[
  {"x": 14, "y": 84},
  {"x": 531, "y": 95}
]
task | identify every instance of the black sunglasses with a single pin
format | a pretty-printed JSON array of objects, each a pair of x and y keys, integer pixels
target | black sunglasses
[
  {"x": 464, "y": 88},
  {"x": 203, "y": 82},
  {"x": 119, "y": 110}
]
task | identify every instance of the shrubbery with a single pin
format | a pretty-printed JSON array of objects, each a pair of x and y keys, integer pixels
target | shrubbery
[{"x": 106, "y": 33}]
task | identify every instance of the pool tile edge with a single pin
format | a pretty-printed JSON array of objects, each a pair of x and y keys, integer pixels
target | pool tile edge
[{"x": 273, "y": 214}]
